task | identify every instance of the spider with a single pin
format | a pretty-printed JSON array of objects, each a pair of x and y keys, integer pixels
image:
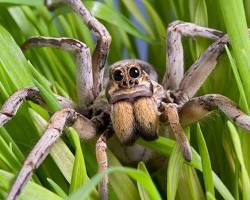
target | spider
[{"x": 132, "y": 103}]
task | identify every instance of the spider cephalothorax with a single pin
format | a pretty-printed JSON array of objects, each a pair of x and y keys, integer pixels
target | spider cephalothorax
[
  {"x": 134, "y": 99},
  {"x": 133, "y": 108}
]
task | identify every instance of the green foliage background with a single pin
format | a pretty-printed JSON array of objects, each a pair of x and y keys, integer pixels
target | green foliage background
[{"x": 221, "y": 163}]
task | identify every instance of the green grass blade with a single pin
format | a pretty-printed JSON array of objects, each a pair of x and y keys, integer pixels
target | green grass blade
[
  {"x": 24, "y": 2},
  {"x": 139, "y": 176},
  {"x": 143, "y": 193},
  {"x": 136, "y": 12},
  {"x": 174, "y": 171},
  {"x": 8, "y": 156},
  {"x": 16, "y": 150},
  {"x": 54, "y": 72},
  {"x": 57, "y": 189},
  {"x": 237, "y": 147},
  {"x": 198, "y": 15},
  {"x": 79, "y": 173},
  {"x": 189, "y": 185},
  {"x": 48, "y": 96},
  {"x": 243, "y": 98},
  {"x": 43, "y": 86},
  {"x": 116, "y": 178},
  {"x": 13, "y": 65},
  {"x": 29, "y": 192},
  {"x": 233, "y": 13},
  {"x": 210, "y": 196},
  {"x": 165, "y": 146},
  {"x": 206, "y": 163},
  {"x": 103, "y": 12},
  {"x": 3, "y": 93},
  {"x": 159, "y": 27}
]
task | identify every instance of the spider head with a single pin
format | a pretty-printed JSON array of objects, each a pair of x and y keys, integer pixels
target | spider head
[{"x": 128, "y": 81}]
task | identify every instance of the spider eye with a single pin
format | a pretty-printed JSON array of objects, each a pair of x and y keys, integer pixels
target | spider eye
[
  {"x": 117, "y": 75},
  {"x": 134, "y": 72}
]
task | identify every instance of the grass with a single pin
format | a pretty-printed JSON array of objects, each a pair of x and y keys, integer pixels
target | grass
[{"x": 221, "y": 164}]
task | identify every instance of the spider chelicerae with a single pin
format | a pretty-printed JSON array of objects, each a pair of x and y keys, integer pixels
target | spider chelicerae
[{"x": 132, "y": 104}]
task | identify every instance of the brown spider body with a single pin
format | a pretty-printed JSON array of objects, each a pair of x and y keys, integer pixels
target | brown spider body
[{"x": 133, "y": 108}]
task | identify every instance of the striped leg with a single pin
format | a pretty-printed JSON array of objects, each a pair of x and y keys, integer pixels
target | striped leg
[
  {"x": 175, "y": 32},
  {"x": 103, "y": 39},
  {"x": 11, "y": 106},
  {"x": 59, "y": 120},
  {"x": 198, "y": 107}
]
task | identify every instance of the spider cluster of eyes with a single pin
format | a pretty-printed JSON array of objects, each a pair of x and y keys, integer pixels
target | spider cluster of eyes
[{"x": 119, "y": 76}]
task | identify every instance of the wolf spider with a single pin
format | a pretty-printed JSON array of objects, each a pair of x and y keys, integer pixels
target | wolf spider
[{"x": 132, "y": 104}]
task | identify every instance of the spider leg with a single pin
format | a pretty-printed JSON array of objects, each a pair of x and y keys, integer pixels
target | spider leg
[
  {"x": 198, "y": 107},
  {"x": 83, "y": 61},
  {"x": 175, "y": 59},
  {"x": 102, "y": 160},
  {"x": 171, "y": 114},
  {"x": 103, "y": 39},
  {"x": 11, "y": 106},
  {"x": 200, "y": 70},
  {"x": 59, "y": 120}
]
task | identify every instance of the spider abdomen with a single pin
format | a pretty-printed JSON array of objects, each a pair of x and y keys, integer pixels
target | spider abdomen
[{"x": 133, "y": 119}]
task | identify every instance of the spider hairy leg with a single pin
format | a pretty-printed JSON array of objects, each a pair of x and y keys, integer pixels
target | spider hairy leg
[
  {"x": 102, "y": 160},
  {"x": 11, "y": 106},
  {"x": 84, "y": 72},
  {"x": 197, "y": 108},
  {"x": 103, "y": 39},
  {"x": 175, "y": 58},
  {"x": 59, "y": 120},
  {"x": 90, "y": 69},
  {"x": 202, "y": 68},
  {"x": 171, "y": 114}
]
